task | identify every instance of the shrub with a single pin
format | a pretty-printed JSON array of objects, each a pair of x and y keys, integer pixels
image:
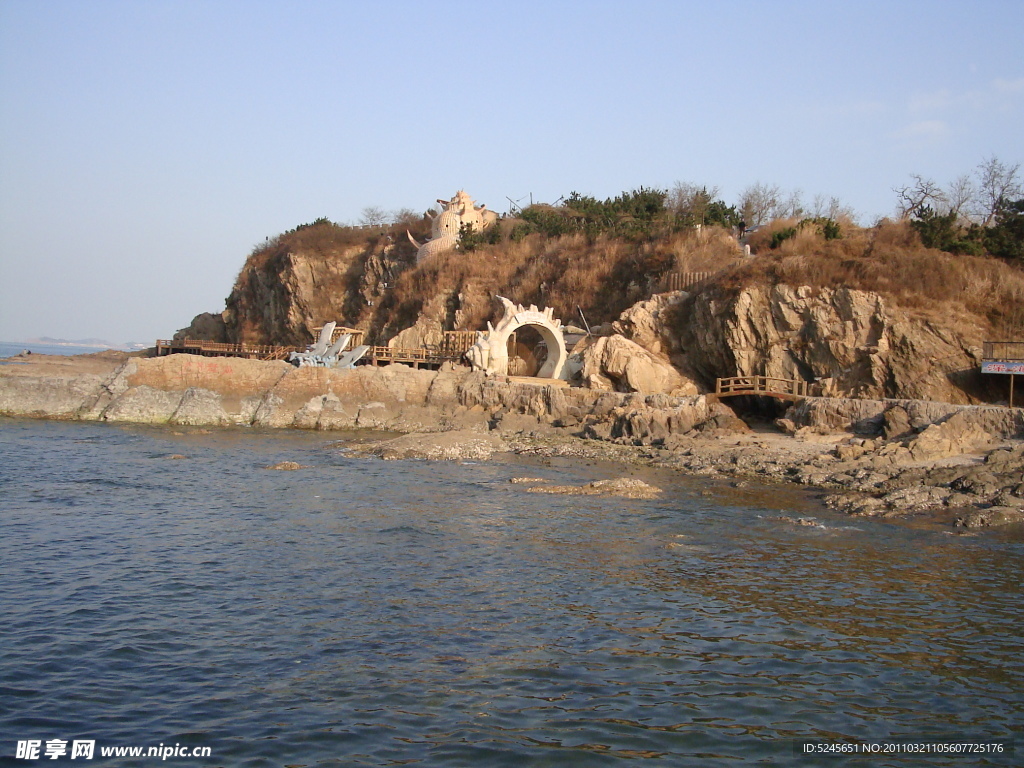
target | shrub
[
  {"x": 945, "y": 232},
  {"x": 781, "y": 235}
]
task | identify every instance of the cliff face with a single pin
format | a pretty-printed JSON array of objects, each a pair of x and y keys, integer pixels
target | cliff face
[
  {"x": 305, "y": 278},
  {"x": 851, "y": 341},
  {"x": 283, "y": 299}
]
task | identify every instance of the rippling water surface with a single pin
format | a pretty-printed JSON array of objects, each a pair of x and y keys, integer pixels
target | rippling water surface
[{"x": 163, "y": 587}]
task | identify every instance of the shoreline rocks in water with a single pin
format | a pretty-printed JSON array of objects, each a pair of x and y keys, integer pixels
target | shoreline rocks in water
[
  {"x": 458, "y": 445},
  {"x": 627, "y": 487},
  {"x": 883, "y": 458}
]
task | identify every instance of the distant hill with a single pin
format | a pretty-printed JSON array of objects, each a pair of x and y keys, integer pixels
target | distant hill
[{"x": 90, "y": 342}]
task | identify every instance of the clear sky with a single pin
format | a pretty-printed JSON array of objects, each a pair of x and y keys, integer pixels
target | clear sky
[{"x": 146, "y": 146}]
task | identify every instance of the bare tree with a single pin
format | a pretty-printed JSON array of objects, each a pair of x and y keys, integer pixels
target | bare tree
[
  {"x": 687, "y": 199},
  {"x": 373, "y": 216},
  {"x": 819, "y": 205},
  {"x": 790, "y": 208},
  {"x": 960, "y": 196},
  {"x": 758, "y": 203},
  {"x": 838, "y": 210},
  {"x": 405, "y": 216},
  {"x": 920, "y": 194},
  {"x": 996, "y": 181}
]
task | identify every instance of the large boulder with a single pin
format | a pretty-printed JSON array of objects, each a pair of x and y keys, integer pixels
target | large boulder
[
  {"x": 648, "y": 323},
  {"x": 617, "y": 364}
]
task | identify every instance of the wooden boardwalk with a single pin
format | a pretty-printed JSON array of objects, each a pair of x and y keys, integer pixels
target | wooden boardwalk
[
  {"x": 451, "y": 349},
  {"x": 764, "y": 386},
  {"x": 222, "y": 349},
  {"x": 417, "y": 358}
]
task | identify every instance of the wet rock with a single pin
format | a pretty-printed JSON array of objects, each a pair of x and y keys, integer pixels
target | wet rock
[
  {"x": 915, "y": 499},
  {"x": 808, "y": 522},
  {"x": 990, "y": 518},
  {"x": 447, "y": 446},
  {"x": 627, "y": 487},
  {"x": 1006, "y": 498},
  {"x": 978, "y": 483},
  {"x": 287, "y": 466}
]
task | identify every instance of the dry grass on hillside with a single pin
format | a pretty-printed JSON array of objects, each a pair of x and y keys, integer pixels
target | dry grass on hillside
[
  {"x": 890, "y": 260},
  {"x": 602, "y": 277},
  {"x": 707, "y": 250}
]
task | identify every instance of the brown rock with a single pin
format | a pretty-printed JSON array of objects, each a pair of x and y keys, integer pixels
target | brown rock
[
  {"x": 990, "y": 518},
  {"x": 615, "y": 362}
]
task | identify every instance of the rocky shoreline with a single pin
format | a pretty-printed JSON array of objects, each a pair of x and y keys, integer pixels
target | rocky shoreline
[{"x": 877, "y": 458}]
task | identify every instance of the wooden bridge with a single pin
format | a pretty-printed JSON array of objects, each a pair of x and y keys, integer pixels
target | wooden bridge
[{"x": 764, "y": 386}]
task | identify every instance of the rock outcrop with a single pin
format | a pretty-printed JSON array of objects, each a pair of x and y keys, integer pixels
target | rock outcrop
[
  {"x": 458, "y": 445},
  {"x": 850, "y": 341},
  {"x": 626, "y": 487},
  {"x": 194, "y": 390},
  {"x": 616, "y": 364},
  {"x": 648, "y": 323},
  {"x": 899, "y": 418},
  {"x": 962, "y": 460},
  {"x": 205, "y": 326}
]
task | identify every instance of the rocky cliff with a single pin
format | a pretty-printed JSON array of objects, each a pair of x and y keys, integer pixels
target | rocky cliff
[
  {"x": 880, "y": 318},
  {"x": 307, "y": 277},
  {"x": 854, "y": 343}
]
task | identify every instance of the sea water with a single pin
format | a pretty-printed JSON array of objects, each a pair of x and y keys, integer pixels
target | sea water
[
  {"x": 10, "y": 348},
  {"x": 162, "y": 587}
]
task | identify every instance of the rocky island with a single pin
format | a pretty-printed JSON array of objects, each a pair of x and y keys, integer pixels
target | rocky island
[{"x": 883, "y": 333}]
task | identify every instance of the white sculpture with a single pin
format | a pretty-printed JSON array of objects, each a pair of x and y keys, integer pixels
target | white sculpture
[
  {"x": 444, "y": 234},
  {"x": 323, "y": 354},
  {"x": 490, "y": 353}
]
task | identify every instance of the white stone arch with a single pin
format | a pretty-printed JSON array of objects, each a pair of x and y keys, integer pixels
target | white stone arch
[{"x": 490, "y": 353}]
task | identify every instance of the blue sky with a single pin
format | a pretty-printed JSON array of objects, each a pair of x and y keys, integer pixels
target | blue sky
[{"x": 145, "y": 147}]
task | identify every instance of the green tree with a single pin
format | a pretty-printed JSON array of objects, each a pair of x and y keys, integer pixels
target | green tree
[
  {"x": 1005, "y": 238},
  {"x": 944, "y": 232}
]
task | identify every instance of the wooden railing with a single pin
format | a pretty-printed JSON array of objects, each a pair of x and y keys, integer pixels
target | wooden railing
[
  {"x": 453, "y": 347},
  {"x": 457, "y": 343},
  {"x": 1002, "y": 350},
  {"x": 222, "y": 349},
  {"x": 768, "y": 386}
]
